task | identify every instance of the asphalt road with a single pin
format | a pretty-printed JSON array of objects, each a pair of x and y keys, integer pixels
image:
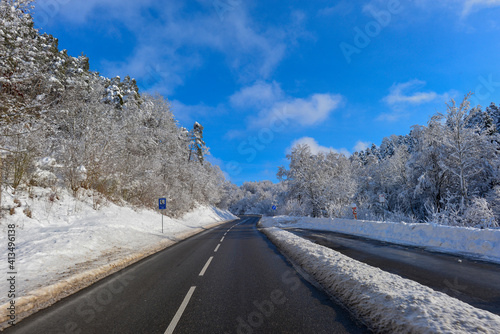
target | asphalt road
[
  {"x": 229, "y": 279},
  {"x": 474, "y": 282}
]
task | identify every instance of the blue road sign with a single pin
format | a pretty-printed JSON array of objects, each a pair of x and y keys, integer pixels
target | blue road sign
[
  {"x": 162, "y": 203},
  {"x": 274, "y": 207}
]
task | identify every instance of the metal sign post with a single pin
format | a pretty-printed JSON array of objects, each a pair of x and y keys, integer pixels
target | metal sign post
[
  {"x": 162, "y": 205},
  {"x": 381, "y": 199}
]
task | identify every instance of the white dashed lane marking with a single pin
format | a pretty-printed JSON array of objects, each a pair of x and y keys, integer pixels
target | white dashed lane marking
[
  {"x": 182, "y": 308},
  {"x": 206, "y": 266},
  {"x": 178, "y": 315}
]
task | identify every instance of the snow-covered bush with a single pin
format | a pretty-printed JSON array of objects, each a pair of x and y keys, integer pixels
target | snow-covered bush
[
  {"x": 450, "y": 215},
  {"x": 493, "y": 198},
  {"x": 479, "y": 214},
  {"x": 293, "y": 207},
  {"x": 43, "y": 178}
]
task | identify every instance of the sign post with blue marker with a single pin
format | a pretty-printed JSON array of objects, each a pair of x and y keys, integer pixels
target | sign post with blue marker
[
  {"x": 162, "y": 205},
  {"x": 274, "y": 207}
]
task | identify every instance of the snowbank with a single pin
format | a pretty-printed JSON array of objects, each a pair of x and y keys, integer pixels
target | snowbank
[
  {"x": 67, "y": 245},
  {"x": 483, "y": 244},
  {"x": 385, "y": 302}
]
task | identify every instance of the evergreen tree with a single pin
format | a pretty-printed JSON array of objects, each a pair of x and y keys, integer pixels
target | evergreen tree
[{"x": 197, "y": 147}]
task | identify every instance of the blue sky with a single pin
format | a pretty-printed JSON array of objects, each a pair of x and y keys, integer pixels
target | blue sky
[{"x": 261, "y": 76}]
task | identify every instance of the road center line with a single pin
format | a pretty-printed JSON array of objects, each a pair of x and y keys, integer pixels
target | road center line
[
  {"x": 181, "y": 309},
  {"x": 216, "y": 248},
  {"x": 221, "y": 240},
  {"x": 202, "y": 272}
]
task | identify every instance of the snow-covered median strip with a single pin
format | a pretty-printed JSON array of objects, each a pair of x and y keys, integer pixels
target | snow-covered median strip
[
  {"x": 385, "y": 302},
  {"x": 479, "y": 243},
  {"x": 67, "y": 245}
]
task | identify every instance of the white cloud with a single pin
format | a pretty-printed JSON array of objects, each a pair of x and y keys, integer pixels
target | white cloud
[
  {"x": 342, "y": 8},
  {"x": 273, "y": 107},
  {"x": 270, "y": 108},
  {"x": 302, "y": 112},
  {"x": 259, "y": 95},
  {"x": 463, "y": 7},
  {"x": 315, "y": 147},
  {"x": 403, "y": 95},
  {"x": 361, "y": 145},
  {"x": 172, "y": 41},
  {"x": 474, "y": 5}
]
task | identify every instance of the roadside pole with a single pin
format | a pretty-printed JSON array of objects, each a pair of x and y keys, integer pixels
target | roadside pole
[
  {"x": 354, "y": 210},
  {"x": 162, "y": 205},
  {"x": 381, "y": 199}
]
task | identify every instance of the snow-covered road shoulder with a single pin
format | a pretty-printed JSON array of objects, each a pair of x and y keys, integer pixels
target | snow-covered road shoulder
[
  {"x": 66, "y": 245},
  {"x": 385, "y": 302}
]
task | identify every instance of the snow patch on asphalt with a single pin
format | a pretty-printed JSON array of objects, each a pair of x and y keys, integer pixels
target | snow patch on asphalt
[
  {"x": 473, "y": 242},
  {"x": 385, "y": 302}
]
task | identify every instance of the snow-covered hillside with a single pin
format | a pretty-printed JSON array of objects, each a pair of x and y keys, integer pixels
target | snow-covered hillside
[{"x": 67, "y": 244}]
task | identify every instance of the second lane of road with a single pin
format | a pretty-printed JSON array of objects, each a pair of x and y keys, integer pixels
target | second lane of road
[{"x": 228, "y": 279}]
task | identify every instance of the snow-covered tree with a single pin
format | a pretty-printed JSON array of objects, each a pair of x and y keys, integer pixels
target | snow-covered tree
[
  {"x": 197, "y": 147},
  {"x": 257, "y": 198},
  {"x": 324, "y": 183},
  {"x": 98, "y": 134},
  {"x": 468, "y": 152},
  {"x": 426, "y": 174}
]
